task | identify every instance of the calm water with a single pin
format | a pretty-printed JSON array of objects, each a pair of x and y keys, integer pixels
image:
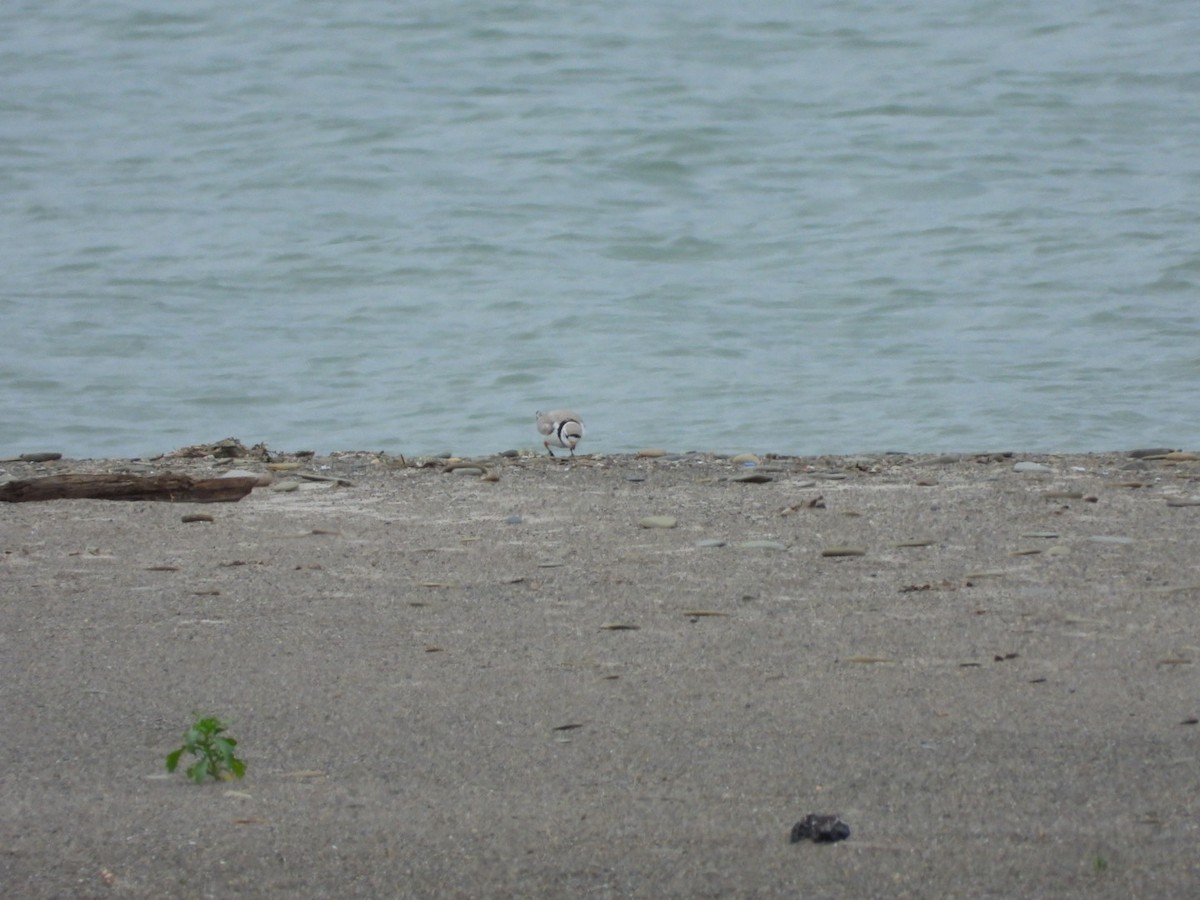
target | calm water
[{"x": 819, "y": 227}]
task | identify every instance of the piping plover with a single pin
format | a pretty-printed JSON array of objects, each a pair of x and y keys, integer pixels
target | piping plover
[{"x": 560, "y": 427}]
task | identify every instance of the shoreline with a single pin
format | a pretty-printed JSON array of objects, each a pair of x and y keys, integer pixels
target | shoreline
[
  {"x": 611, "y": 675},
  {"x": 232, "y": 452}
]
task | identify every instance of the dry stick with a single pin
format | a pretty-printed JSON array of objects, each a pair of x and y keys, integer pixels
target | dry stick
[{"x": 168, "y": 486}]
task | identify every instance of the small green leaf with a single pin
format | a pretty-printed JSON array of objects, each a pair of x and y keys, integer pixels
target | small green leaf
[{"x": 214, "y": 754}]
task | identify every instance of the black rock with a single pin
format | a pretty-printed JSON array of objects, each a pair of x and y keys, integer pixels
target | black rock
[{"x": 820, "y": 829}]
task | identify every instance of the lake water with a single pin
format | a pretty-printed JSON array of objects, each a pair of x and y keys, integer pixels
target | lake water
[{"x": 803, "y": 228}]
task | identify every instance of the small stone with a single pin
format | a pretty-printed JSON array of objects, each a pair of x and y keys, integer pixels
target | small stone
[
  {"x": 743, "y": 458},
  {"x": 761, "y": 545},
  {"x": 1030, "y": 467},
  {"x": 945, "y": 459},
  {"x": 467, "y": 470},
  {"x": 710, "y": 542},
  {"x": 286, "y": 487},
  {"x": 820, "y": 829},
  {"x": 754, "y": 478},
  {"x": 261, "y": 479},
  {"x": 39, "y": 457},
  {"x": 844, "y": 551},
  {"x": 1181, "y": 456},
  {"x": 657, "y": 522},
  {"x": 1110, "y": 539},
  {"x": 513, "y": 520},
  {"x": 196, "y": 517},
  {"x": 651, "y": 452}
]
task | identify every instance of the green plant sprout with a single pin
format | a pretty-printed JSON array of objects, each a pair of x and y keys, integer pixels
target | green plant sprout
[{"x": 204, "y": 740}]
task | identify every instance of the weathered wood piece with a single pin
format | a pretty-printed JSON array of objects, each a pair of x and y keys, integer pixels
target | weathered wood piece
[{"x": 119, "y": 486}]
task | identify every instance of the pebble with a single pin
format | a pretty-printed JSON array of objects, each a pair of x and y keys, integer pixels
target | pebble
[
  {"x": 39, "y": 457},
  {"x": 467, "y": 470},
  {"x": 755, "y": 478},
  {"x": 742, "y": 458},
  {"x": 710, "y": 542},
  {"x": 844, "y": 551},
  {"x": 761, "y": 545},
  {"x": 1031, "y": 467},
  {"x": 946, "y": 459},
  {"x": 820, "y": 829},
  {"x": 651, "y": 452},
  {"x": 196, "y": 517},
  {"x": 1110, "y": 539},
  {"x": 261, "y": 479},
  {"x": 286, "y": 487},
  {"x": 513, "y": 520},
  {"x": 1181, "y": 456},
  {"x": 657, "y": 522}
]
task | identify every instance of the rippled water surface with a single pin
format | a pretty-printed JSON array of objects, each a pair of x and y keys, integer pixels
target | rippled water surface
[{"x": 822, "y": 227}]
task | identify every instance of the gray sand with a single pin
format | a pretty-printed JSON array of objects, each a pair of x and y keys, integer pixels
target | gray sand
[{"x": 432, "y": 700}]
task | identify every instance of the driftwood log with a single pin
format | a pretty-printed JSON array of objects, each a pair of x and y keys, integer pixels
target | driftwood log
[{"x": 117, "y": 486}]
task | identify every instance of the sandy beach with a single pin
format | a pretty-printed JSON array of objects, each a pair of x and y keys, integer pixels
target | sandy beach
[{"x": 610, "y": 676}]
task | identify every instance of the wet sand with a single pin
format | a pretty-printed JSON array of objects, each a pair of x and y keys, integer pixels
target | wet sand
[{"x": 451, "y": 686}]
